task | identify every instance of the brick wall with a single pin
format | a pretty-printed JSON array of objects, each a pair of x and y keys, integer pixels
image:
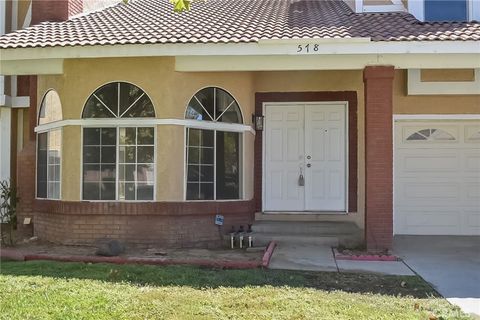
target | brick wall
[
  {"x": 378, "y": 83},
  {"x": 26, "y": 186},
  {"x": 167, "y": 224},
  {"x": 55, "y": 10}
]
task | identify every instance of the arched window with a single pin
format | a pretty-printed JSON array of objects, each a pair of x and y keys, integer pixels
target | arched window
[
  {"x": 49, "y": 148},
  {"x": 431, "y": 135},
  {"x": 214, "y": 104},
  {"x": 119, "y": 161},
  {"x": 213, "y": 156},
  {"x": 119, "y": 100},
  {"x": 475, "y": 136}
]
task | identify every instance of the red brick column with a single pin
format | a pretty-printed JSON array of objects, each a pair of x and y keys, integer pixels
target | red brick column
[{"x": 378, "y": 84}]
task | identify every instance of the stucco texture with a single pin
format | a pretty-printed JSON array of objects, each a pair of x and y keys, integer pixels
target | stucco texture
[{"x": 170, "y": 92}]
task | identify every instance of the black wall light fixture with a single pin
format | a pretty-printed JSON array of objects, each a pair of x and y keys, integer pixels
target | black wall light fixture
[{"x": 258, "y": 122}]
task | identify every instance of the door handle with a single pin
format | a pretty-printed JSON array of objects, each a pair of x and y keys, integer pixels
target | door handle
[
  {"x": 308, "y": 165},
  {"x": 301, "y": 178}
]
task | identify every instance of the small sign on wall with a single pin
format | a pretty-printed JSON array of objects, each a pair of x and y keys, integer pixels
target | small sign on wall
[{"x": 219, "y": 220}]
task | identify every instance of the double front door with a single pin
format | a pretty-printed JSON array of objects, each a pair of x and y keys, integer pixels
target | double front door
[{"x": 305, "y": 157}]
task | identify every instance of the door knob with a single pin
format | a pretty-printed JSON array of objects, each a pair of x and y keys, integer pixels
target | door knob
[
  {"x": 309, "y": 157},
  {"x": 308, "y": 165}
]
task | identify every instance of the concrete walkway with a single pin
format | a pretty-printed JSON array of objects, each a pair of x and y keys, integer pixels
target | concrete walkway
[
  {"x": 451, "y": 264},
  {"x": 309, "y": 257}
]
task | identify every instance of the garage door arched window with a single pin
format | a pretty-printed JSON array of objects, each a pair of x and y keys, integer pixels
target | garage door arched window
[
  {"x": 431, "y": 135},
  {"x": 213, "y": 156},
  {"x": 119, "y": 160},
  {"x": 49, "y": 148}
]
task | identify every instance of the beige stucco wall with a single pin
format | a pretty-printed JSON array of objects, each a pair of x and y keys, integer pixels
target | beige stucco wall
[
  {"x": 434, "y": 104},
  {"x": 71, "y": 166},
  {"x": 170, "y": 91},
  {"x": 439, "y": 75},
  {"x": 170, "y": 163}
]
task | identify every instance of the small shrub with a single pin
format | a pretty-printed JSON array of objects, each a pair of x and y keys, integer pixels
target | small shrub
[{"x": 8, "y": 211}]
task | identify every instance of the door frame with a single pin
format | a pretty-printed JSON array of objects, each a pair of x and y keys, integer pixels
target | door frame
[{"x": 346, "y": 142}]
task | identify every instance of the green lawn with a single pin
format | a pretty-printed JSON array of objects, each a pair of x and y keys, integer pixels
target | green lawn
[{"x": 51, "y": 290}]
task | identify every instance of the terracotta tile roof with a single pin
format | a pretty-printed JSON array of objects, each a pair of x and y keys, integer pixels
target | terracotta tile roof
[{"x": 233, "y": 21}]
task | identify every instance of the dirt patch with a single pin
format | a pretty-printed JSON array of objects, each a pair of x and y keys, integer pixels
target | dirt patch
[{"x": 42, "y": 247}]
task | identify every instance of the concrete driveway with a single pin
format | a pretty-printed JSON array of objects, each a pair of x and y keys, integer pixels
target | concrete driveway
[{"x": 450, "y": 263}]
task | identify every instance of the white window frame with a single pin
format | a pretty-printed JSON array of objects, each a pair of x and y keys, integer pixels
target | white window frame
[
  {"x": 47, "y": 128},
  {"x": 48, "y": 166},
  {"x": 417, "y": 8},
  {"x": 240, "y": 160},
  {"x": 117, "y": 152},
  {"x": 214, "y": 125},
  {"x": 415, "y": 86}
]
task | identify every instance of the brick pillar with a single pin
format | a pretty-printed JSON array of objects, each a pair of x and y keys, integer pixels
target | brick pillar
[
  {"x": 26, "y": 162},
  {"x": 26, "y": 187},
  {"x": 378, "y": 86}
]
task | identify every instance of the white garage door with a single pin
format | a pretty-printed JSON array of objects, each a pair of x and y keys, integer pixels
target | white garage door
[{"x": 437, "y": 177}]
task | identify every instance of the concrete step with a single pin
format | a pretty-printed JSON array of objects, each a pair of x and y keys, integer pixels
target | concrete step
[
  {"x": 303, "y": 228},
  {"x": 296, "y": 216},
  {"x": 262, "y": 239}
]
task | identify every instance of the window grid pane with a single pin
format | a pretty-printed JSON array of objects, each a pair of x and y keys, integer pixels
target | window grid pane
[
  {"x": 99, "y": 163},
  {"x": 49, "y": 164},
  {"x": 200, "y": 164},
  {"x": 136, "y": 163}
]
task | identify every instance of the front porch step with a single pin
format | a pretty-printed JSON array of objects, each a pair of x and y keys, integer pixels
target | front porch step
[
  {"x": 297, "y": 216},
  {"x": 263, "y": 239},
  {"x": 330, "y": 233},
  {"x": 324, "y": 228}
]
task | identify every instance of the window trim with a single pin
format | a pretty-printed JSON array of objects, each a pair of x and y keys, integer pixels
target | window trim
[
  {"x": 80, "y": 116},
  {"x": 417, "y": 8},
  {"x": 61, "y": 165},
  {"x": 39, "y": 107},
  {"x": 214, "y": 121},
  {"x": 240, "y": 128},
  {"x": 51, "y": 126},
  {"x": 241, "y": 160},
  {"x": 468, "y": 5},
  {"x": 117, "y": 127}
]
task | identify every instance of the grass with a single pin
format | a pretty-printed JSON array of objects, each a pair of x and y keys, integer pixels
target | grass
[{"x": 52, "y": 290}]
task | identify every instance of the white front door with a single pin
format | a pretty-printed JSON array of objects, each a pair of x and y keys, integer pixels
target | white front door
[
  {"x": 305, "y": 157},
  {"x": 325, "y": 157}
]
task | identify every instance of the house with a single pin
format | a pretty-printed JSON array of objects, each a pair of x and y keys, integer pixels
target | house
[{"x": 143, "y": 124}]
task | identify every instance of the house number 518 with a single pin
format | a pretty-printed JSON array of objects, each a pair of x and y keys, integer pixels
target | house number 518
[{"x": 306, "y": 48}]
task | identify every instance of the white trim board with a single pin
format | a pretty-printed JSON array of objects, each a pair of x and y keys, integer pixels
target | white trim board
[
  {"x": 324, "y": 62},
  {"x": 14, "y": 102},
  {"x": 420, "y": 117},
  {"x": 5, "y": 131},
  {"x": 233, "y": 127},
  {"x": 242, "y": 49},
  {"x": 384, "y": 8},
  {"x": 418, "y": 87}
]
